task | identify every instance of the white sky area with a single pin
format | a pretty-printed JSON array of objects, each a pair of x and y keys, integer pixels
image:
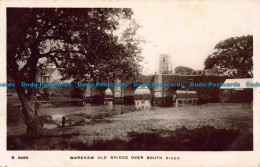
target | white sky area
[{"x": 188, "y": 31}]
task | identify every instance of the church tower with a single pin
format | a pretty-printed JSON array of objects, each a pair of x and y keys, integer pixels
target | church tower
[{"x": 165, "y": 65}]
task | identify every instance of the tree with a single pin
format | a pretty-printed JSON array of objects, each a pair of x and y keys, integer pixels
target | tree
[
  {"x": 182, "y": 69},
  {"x": 233, "y": 54},
  {"x": 79, "y": 42}
]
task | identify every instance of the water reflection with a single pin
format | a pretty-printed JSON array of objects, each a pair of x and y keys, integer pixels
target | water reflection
[
  {"x": 142, "y": 98},
  {"x": 139, "y": 104},
  {"x": 142, "y": 104},
  {"x": 49, "y": 126},
  {"x": 108, "y": 103},
  {"x": 90, "y": 113},
  {"x": 57, "y": 116},
  {"x": 51, "y": 114},
  {"x": 62, "y": 104}
]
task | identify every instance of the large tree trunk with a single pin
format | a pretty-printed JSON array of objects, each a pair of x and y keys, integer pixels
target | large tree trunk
[
  {"x": 27, "y": 95},
  {"x": 30, "y": 108}
]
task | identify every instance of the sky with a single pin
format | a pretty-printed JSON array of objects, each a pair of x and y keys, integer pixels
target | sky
[{"x": 188, "y": 31}]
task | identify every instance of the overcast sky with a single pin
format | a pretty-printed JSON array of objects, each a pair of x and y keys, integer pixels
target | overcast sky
[{"x": 188, "y": 31}]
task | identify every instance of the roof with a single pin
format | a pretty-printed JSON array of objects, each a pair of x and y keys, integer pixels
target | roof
[{"x": 241, "y": 81}]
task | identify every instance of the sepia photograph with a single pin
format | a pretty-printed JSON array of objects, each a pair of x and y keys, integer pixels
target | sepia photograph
[{"x": 174, "y": 76}]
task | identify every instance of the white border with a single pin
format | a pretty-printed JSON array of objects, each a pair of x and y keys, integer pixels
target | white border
[{"x": 188, "y": 158}]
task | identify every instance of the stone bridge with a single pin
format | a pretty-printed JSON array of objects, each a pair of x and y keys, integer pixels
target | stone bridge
[{"x": 160, "y": 95}]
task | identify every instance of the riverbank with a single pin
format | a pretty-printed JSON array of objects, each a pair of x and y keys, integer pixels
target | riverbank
[{"x": 213, "y": 126}]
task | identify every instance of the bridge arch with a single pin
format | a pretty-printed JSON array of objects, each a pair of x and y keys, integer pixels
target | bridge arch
[
  {"x": 100, "y": 94},
  {"x": 129, "y": 93},
  {"x": 77, "y": 93},
  {"x": 168, "y": 95}
]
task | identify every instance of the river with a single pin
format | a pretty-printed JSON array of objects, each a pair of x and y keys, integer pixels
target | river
[{"x": 63, "y": 114}]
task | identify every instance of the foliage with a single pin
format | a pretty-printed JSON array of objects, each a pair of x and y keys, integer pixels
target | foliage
[
  {"x": 181, "y": 69},
  {"x": 80, "y": 42},
  {"x": 233, "y": 54}
]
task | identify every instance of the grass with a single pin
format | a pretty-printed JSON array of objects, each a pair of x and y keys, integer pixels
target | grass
[{"x": 209, "y": 127}]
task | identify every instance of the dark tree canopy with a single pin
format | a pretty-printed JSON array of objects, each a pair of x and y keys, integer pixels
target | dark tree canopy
[
  {"x": 77, "y": 41},
  {"x": 234, "y": 54},
  {"x": 183, "y": 69},
  {"x": 80, "y": 42}
]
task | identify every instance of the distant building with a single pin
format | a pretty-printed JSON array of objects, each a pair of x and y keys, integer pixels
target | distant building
[
  {"x": 50, "y": 74},
  {"x": 45, "y": 75},
  {"x": 165, "y": 65}
]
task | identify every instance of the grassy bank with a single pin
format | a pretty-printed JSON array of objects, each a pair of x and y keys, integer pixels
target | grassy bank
[{"x": 218, "y": 126}]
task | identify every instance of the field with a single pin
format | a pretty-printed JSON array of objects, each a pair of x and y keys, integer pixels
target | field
[{"x": 208, "y": 127}]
